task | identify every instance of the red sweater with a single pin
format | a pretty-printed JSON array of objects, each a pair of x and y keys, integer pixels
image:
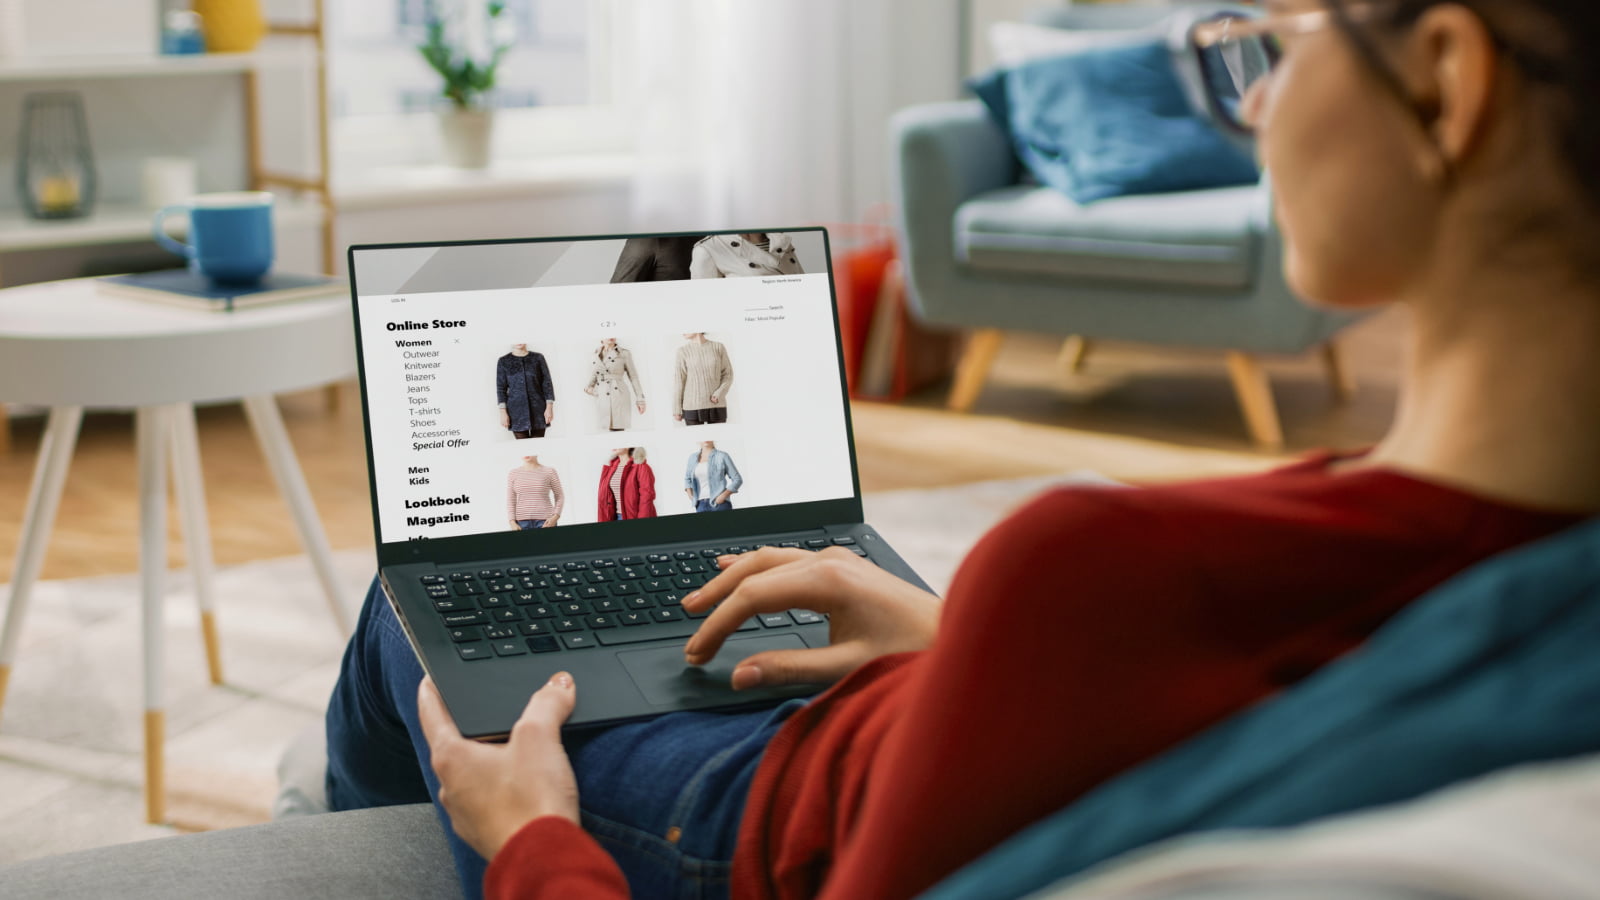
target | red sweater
[
  {"x": 1089, "y": 631},
  {"x": 638, "y": 491}
]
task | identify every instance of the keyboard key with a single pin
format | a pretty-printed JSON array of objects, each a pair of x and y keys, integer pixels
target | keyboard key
[
  {"x": 456, "y": 620},
  {"x": 662, "y": 570},
  {"x": 792, "y": 544},
  {"x": 432, "y": 579},
  {"x": 597, "y": 577},
  {"x": 749, "y": 624},
  {"x": 634, "y": 618},
  {"x": 578, "y": 641},
  {"x": 590, "y": 592},
  {"x": 493, "y": 601},
  {"x": 776, "y": 620},
  {"x": 666, "y": 615},
  {"x": 569, "y": 624},
  {"x": 564, "y": 580},
  {"x": 576, "y": 565},
  {"x": 631, "y": 573},
  {"x": 575, "y": 608},
  {"x": 470, "y": 633},
  {"x": 692, "y": 568},
  {"x": 844, "y": 541},
  {"x": 490, "y": 574},
  {"x": 468, "y": 588},
  {"x": 547, "y": 569},
  {"x": 711, "y": 552},
  {"x": 532, "y": 628},
  {"x": 603, "y": 563},
  {"x": 684, "y": 554},
  {"x": 502, "y": 587},
  {"x": 542, "y": 644},
  {"x": 518, "y": 571},
  {"x": 608, "y": 605},
  {"x": 499, "y": 632},
  {"x": 534, "y": 583},
  {"x": 640, "y": 602},
  {"x": 474, "y": 650},
  {"x": 525, "y": 598},
  {"x": 817, "y": 543},
  {"x": 540, "y": 611},
  {"x": 858, "y": 551},
  {"x": 686, "y": 582},
  {"x": 506, "y": 615},
  {"x": 510, "y": 648},
  {"x": 460, "y": 576},
  {"x": 697, "y": 615},
  {"x": 655, "y": 632},
  {"x": 438, "y": 591},
  {"x": 560, "y": 595},
  {"x": 452, "y": 605},
  {"x": 633, "y": 560},
  {"x": 602, "y": 621},
  {"x": 658, "y": 557},
  {"x": 624, "y": 588},
  {"x": 670, "y": 598},
  {"x": 736, "y": 550},
  {"x": 654, "y": 585},
  {"x": 806, "y": 616}
]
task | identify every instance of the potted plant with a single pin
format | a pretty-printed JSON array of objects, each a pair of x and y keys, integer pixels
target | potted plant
[{"x": 466, "y": 52}]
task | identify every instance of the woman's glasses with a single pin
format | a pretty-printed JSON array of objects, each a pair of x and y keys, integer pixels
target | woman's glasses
[{"x": 1236, "y": 51}]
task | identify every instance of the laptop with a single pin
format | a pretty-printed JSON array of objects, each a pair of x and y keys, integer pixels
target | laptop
[{"x": 564, "y": 434}]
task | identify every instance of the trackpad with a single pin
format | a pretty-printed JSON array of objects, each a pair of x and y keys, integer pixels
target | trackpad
[{"x": 665, "y": 680}]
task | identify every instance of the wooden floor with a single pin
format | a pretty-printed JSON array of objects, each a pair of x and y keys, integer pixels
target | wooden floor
[{"x": 1134, "y": 413}]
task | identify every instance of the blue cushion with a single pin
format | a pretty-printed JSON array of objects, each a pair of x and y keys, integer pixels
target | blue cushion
[{"x": 1108, "y": 122}]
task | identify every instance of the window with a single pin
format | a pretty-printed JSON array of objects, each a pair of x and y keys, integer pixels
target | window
[{"x": 376, "y": 69}]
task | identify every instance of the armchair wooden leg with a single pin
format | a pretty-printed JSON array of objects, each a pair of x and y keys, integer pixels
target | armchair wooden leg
[
  {"x": 1339, "y": 378},
  {"x": 1254, "y": 391},
  {"x": 973, "y": 369},
  {"x": 1074, "y": 352}
]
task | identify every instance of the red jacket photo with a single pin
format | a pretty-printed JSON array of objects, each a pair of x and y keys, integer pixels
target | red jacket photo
[{"x": 638, "y": 492}]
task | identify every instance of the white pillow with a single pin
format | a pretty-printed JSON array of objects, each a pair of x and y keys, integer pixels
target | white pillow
[{"x": 1015, "y": 43}]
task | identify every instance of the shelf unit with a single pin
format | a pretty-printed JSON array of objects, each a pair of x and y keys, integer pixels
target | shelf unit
[{"x": 309, "y": 199}]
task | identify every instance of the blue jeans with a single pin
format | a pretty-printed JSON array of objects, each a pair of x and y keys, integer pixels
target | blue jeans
[
  {"x": 689, "y": 770},
  {"x": 530, "y": 524},
  {"x": 708, "y": 506}
]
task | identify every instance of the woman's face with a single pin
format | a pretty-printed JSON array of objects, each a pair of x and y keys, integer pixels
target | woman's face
[
  {"x": 520, "y": 348},
  {"x": 708, "y": 445},
  {"x": 531, "y": 460},
  {"x": 690, "y": 335},
  {"x": 1341, "y": 148},
  {"x": 609, "y": 343}
]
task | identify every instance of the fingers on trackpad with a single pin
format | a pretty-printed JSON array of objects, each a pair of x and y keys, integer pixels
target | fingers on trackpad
[{"x": 665, "y": 680}]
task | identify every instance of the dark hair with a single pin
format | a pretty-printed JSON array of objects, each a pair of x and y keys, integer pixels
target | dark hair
[{"x": 1554, "y": 43}]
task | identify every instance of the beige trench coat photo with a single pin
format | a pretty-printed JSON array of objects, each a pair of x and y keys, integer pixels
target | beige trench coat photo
[{"x": 614, "y": 382}]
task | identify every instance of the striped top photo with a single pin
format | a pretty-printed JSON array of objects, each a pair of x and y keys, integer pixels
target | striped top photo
[
  {"x": 529, "y": 493},
  {"x": 703, "y": 369}
]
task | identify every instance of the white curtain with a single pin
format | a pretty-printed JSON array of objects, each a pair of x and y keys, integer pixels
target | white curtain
[{"x": 744, "y": 111}]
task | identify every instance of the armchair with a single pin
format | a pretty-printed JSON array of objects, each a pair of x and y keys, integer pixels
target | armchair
[{"x": 986, "y": 252}]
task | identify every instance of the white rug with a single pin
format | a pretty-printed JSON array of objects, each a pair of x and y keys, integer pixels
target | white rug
[{"x": 70, "y": 736}]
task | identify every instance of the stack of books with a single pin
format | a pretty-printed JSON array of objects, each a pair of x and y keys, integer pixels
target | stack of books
[{"x": 191, "y": 290}]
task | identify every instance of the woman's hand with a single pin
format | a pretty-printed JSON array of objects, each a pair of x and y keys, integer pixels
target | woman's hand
[
  {"x": 724, "y": 497},
  {"x": 551, "y": 522},
  {"x": 492, "y": 790},
  {"x": 871, "y": 613},
  {"x": 640, "y": 404},
  {"x": 505, "y": 420},
  {"x": 590, "y": 390}
]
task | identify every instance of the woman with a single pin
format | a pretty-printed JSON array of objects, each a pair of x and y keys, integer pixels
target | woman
[
  {"x": 711, "y": 479},
  {"x": 744, "y": 255},
  {"x": 701, "y": 377},
  {"x": 614, "y": 382},
  {"x": 1433, "y": 154},
  {"x": 533, "y": 495},
  {"x": 627, "y": 486}
]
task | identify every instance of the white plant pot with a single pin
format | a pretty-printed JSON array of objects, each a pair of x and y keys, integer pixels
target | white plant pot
[{"x": 466, "y": 134}]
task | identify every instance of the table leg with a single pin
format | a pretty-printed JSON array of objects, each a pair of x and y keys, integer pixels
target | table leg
[
  {"x": 44, "y": 498},
  {"x": 190, "y": 486},
  {"x": 153, "y": 431},
  {"x": 274, "y": 438}
]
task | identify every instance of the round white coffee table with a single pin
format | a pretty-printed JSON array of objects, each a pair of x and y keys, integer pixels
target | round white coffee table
[{"x": 68, "y": 345}]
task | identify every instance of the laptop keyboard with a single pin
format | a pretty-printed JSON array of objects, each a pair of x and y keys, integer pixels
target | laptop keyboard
[{"x": 579, "y": 604}]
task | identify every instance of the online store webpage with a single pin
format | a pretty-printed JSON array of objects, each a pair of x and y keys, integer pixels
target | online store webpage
[{"x": 525, "y": 386}]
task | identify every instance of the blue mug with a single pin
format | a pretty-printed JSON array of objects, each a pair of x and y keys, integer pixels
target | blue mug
[{"x": 230, "y": 235}]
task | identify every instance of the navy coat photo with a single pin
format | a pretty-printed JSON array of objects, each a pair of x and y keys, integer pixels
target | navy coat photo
[{"x": 523, "y": 383}]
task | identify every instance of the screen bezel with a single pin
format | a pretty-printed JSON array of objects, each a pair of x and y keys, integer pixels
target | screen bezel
[{"x": 604, "y": 536}]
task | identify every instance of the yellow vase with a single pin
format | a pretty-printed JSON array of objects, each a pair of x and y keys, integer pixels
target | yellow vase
[{"x": 231, "y": 26}]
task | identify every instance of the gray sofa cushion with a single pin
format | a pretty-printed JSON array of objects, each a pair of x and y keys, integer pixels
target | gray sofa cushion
[
  {"x": 1193, "y": 238},
  {"x": 396, "y": 852}
]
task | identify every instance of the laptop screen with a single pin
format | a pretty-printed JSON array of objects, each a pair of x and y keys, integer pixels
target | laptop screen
[{"x": 530, "y": 385}]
